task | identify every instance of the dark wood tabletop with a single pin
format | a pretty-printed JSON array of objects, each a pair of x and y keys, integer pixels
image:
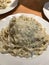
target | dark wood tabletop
[{"x": 28, "y": 6}]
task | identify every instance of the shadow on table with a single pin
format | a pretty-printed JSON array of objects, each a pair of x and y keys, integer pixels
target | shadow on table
[
  {"x": 44, "y": 16},
  {"x": 34, "y": 4}
]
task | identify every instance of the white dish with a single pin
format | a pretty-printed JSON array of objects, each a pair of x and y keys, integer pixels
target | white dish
[
  {"x": 46, "y": 9},
  {"x": 7, "y": 59},
  {"x": 11, "y": 6}
]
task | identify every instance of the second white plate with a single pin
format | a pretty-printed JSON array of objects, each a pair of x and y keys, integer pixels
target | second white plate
[
  {"x": 46, "y": 10},
  {"x": 11, "y": 6}
]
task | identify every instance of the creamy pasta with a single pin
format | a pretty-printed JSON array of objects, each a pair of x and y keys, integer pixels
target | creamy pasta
[
  {"x": 4, "y": 3},
  {"x": 23, "y": 37}
]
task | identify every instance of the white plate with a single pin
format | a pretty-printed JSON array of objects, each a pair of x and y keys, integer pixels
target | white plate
[
  {"x": 7, "y": 59},
  {"x": 46, "y": 9},
  {"x": 10, "y": 7}
]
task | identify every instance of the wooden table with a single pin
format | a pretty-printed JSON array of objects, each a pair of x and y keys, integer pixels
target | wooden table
[{"x": 28, "y": 6}]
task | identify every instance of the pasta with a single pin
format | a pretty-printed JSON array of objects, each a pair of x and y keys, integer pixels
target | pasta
[
  {"x": 4, "y": 3},
  {"x": 24, "y": 37}
]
